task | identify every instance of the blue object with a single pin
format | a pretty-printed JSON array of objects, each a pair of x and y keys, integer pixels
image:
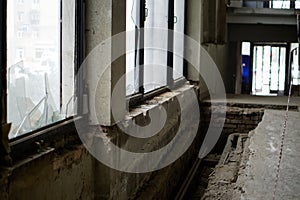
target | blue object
[{"x": 245, "y": 74}]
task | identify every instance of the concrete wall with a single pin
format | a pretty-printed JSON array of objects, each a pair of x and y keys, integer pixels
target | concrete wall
[
  {"x": 64, "y": 170},
  {"x": 104, "y": 19},
  {"x": 160, "y": 184},
  {"x": 202, "y": 27},
  {"x": 220, "y": 53},
  {"x": 51, "y": 174}
]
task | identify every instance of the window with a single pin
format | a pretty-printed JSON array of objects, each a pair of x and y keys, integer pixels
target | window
[
  {"x": 35, "y": 34},
  {"x": 295, "y": 68},
  {"x": 155, "y": 71},
  {"x": 179, "y": 20},
  {"x": 38, "y": 53},
  {"x": 280, "y": 4},
  {"x": 20, "y": 34},
  {"x": 40, "y": 69},
  {"x": 35, "y": 4},
  {"x": 149, "y": 69},
  {"x": 276, "y": 4},
  {"x": 20, "y": 54},
  {"x": 20, "y": 16},
  {"x": 35, "y": 17}
]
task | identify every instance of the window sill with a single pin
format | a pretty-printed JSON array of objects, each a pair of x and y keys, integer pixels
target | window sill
[
  {"x": 31, "y": 143},
  {"x": 164, "y": 96}
]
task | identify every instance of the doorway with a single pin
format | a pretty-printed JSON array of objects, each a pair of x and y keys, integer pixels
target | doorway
[{"x": 268, "y": 69}]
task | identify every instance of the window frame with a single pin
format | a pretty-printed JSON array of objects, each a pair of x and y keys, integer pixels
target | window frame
[
  {"x": 27, "y": 142},
  {"x": 262, "y": 44},
  {"x": 172, "y": 83}
]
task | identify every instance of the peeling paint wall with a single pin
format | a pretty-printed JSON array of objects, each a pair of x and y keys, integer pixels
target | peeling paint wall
[
  {"x": 160, "y": 184},
  {"x": 49, "y": 175},
  {"x": 67, "y": 172}
]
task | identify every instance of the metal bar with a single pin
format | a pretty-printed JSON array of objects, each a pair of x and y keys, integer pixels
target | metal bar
[
  {"x": 170, "y": 60},
  {"x": 278, "y": 70},
  {"x": 270, "y": 71},
  {"x": 141, "y": 52},
  {"x": 79, "y": 53},
  {"x": 25, "y": 143},
  {"x": 262, "y": 68},
  {"x": 3, "y": 61},
  {"x": 60, "y": 56},
  {"x": 3, "y": 76},
  {"x": 185, "y": 63},
  {"x": 136, "y": 60}
]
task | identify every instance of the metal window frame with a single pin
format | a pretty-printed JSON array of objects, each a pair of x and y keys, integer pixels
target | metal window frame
[
  {"x": 141, "y": 96},
  {"x": 51, "y": 132},
  {"x": 3, "y": 56}
]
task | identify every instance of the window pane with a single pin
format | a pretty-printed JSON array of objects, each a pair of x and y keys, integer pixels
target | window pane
[
  {"x": 274, "y": 68},
  {"x": 295, "y": 64},
  {"x": 297, "y": 4},
  {"x": 156, "y": 59},
  {"x": 178, "y": 38},
  {"x": 68, "y": 45},
  {"x": 281, "y": 4},
  {"x": 130, "y": 40},
  {"x": 33, "y": 63},
  {"x": 282, "y": 68}
]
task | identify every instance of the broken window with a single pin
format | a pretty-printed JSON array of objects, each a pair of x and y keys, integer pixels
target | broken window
[{"x": 40, "y": 64}]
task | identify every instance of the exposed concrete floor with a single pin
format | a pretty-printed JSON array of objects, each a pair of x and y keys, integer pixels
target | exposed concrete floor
[
  {"x": 262, "y": 100},
  {"x": 257, "y": 179}
]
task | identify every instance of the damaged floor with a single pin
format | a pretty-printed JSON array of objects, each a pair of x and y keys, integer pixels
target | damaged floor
[{"x": 248, "y": 165}]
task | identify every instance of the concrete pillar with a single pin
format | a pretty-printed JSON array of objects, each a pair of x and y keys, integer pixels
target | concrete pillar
[
  {"x": 193, "y": 30},
  {"x": 104, "y": 19}
]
